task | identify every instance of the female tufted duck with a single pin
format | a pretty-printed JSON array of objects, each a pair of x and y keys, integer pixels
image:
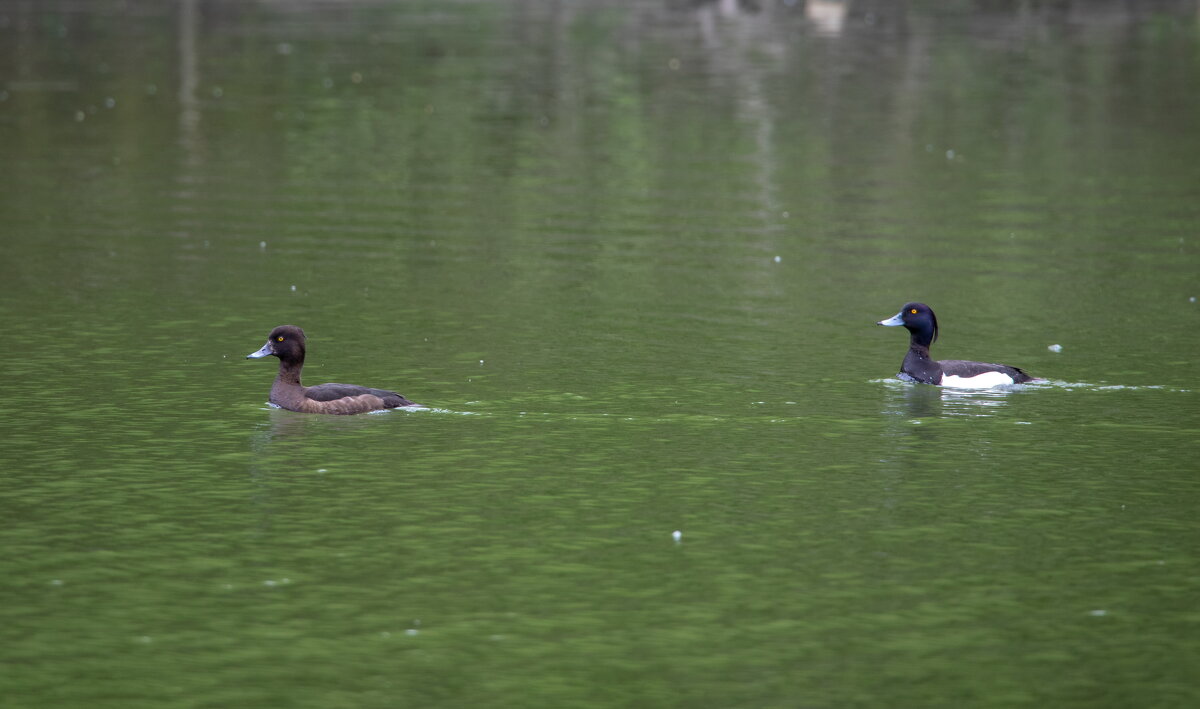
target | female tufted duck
[
  {"x": 918, "y": 366},
  {"x": 287, "y": 343}
]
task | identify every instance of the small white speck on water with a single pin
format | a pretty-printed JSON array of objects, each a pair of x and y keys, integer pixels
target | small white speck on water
[
  {"x": 1098, "y": 612},
  {"x": 677, "y": 536},
  {"x": 1055, "y": 348},
  {"x": 480, "y": 363},
  {"x": 949, "y": 154},
  {"x": 262, "y": 244},
  {"x": 778, "y": 259},
  {"x": 293, "y": 289},
  {"x": 322, "y": 470},
  {"x": 411, "y": 631},
  {"x": 1192, "y": 299}
]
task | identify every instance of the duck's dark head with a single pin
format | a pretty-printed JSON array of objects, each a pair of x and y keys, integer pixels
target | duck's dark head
[
  {"x": 918, "y": 319},
  {"x": 285, "y": 342}
]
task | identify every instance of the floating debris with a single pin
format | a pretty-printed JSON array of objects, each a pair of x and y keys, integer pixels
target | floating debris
[
  {"x": 1055, "y": 348},
  {"x": 677, "y": 536}
]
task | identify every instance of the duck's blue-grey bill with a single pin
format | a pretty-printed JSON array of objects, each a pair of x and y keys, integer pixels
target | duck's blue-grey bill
[
  {"x": 264, "y": 352},
  {"x": 892, "y": 321}
]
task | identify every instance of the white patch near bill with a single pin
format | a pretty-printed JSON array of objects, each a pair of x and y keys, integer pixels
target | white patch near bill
[{"x": 986, "y": 380}]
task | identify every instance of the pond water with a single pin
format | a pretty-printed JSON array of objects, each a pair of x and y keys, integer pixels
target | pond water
[{"x": 629, "y": 255}]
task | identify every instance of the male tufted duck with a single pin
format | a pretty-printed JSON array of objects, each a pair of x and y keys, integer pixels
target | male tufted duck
[
  {"x": 287, "y": 343},
  {"x": 918, "y": 366}
]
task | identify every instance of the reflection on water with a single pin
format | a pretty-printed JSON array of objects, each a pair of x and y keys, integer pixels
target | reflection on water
[
  {"x": 983, "y": 402},
  {"x": 282, "y": 424},
  {"x": 918, "y": 401}
]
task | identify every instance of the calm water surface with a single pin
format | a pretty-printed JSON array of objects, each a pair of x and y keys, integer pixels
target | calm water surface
[{"x": 629, "y": 255}]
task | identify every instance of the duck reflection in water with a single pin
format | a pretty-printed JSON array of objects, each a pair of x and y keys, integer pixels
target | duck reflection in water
[{"x": 935, "y": 402}]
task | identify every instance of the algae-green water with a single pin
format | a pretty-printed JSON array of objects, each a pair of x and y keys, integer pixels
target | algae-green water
[{"x": 629, "y": 256}]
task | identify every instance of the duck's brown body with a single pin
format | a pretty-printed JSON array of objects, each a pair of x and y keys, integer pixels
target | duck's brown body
[{"x": 287, "y": 342}]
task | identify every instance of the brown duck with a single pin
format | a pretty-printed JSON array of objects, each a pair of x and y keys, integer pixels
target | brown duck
[{"x": 287, "y": 343}]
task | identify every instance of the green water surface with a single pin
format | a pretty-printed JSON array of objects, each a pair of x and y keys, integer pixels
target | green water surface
[{"x": 629, "y": 256}]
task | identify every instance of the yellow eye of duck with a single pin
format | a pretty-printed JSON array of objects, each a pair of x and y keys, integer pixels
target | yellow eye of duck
[
  {"x": 913, "y": 311},
  {"x": 280, "y": 338}
]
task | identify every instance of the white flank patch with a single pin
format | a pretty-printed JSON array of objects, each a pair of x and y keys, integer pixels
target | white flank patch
[{"x": 986, "y": 380}]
